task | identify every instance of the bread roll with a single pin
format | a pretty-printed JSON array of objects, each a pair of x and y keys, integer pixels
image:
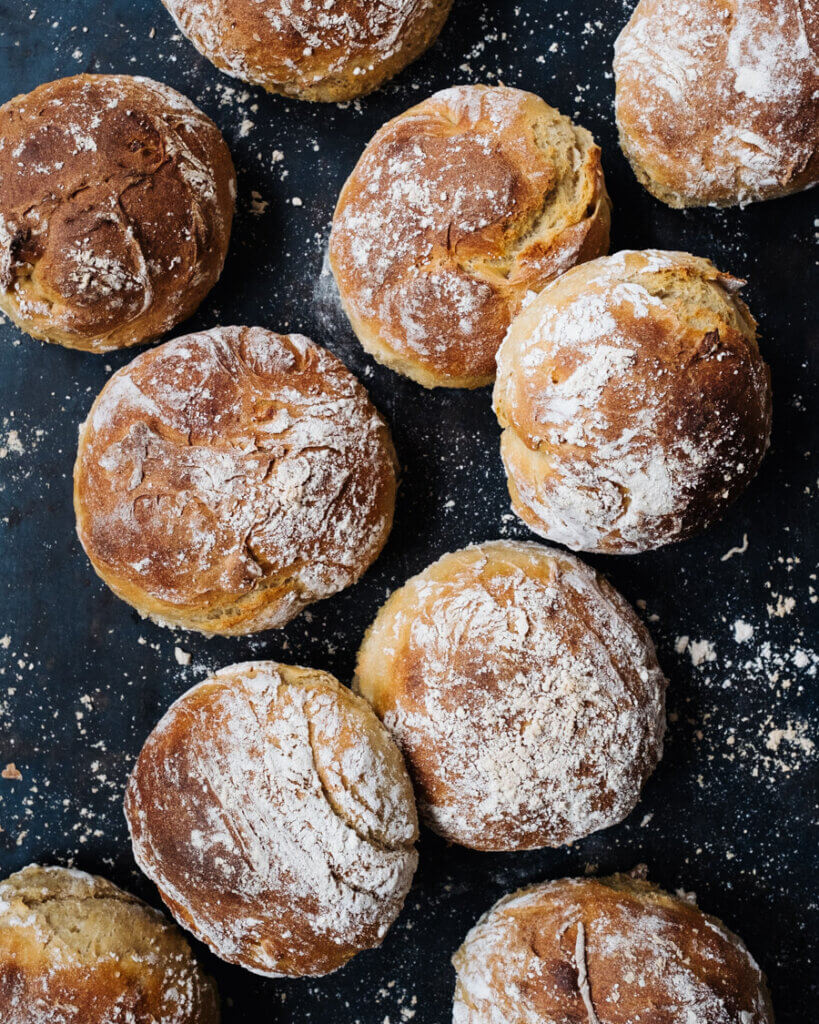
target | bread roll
[
  {"x": 523, "y": 691},
  {"x": 116, "y": 201},
  {"x": 75, "y": 949},
  {"x": 276, "y": 817},
  {"x": 605, "y": 951},
  {"x": 329, "y": 51},
  {"x": 717, "y": 100},
  {"x": 227, "y": 479},
  {"x": 456, "y": 210},
  {"x": 634, "y": 402}
]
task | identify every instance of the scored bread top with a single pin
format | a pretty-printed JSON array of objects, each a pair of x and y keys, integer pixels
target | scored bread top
[
  {"x": 524, "y": 692},
  {"x": 456, "y": 210},
  {"x": 614, "y": 949},
  {"x": 718, "y": 100},
  {"x": 312, "y": 49},
  {"x": 634, "y": 400},
  {"x": 116, "y": 202},
  {"x": 75, "y": 949},
  {"x": 226, "y": 479},
  {"x": 276, "y": 817}
]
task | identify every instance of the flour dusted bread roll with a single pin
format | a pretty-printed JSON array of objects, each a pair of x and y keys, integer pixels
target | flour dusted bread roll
[
  {"x": 456, "y": 210},
  {"x": 634, "y": 400},
  {"x": 75, "y": 949},
  {"x": 718, "y": 100},
  {"x": 326, "y": 50},
  {"x": 225, "y": 480},
  {"x": 276, "y": 816},
  {"x": 116, "y": 201},
  {"x": 523, "y": 691},
  {"x": 605, "y": 951}
]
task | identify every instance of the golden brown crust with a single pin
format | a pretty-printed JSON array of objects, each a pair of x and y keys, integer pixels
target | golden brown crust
[
  {"x": 523, "y": 691},
  {"x": 605, "y": 951},
  {"x": 75, "y": 949},
  {"x": 718, "y": 100},
  {"x": 116, "y": 202},
  {"x": 325, "y": 52},
  {"x": 634, "y": 400},
  {"x": 227, "y": 479},
  {"x": 456, "y": 210},
  {"x": 276, "y": 817}
]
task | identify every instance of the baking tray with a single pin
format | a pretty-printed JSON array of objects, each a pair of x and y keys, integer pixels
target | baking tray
[{"x": 730, "y": 812}]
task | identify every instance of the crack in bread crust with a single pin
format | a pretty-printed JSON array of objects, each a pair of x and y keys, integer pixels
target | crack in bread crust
[
  {"x": 296, "y": 816},
  {"x": 116, "y": 209},
  {"x": 634, "y": 402},
  {"x": 605, "y": 949},
  {"x": 324, "y": 52},
  {"x": 227, "y": 479},
  {"x": 458, "y": 209}
]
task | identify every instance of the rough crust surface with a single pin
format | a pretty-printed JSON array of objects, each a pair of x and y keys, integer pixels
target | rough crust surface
[
  {"x": 225, "y": 480},
  {"x": 75, "y": 949},
  {"x": 718, "y": 100},
  {"x": 523, "y": 691},
  {"x": 634, "y": 400},
  {"x": 457, "y": 209},
  {"x": 321, "y": 50},
  {"x": 116, "y": 201},
  {"x": 276, "y": 816},
  {"x": 605, "y": 951}
]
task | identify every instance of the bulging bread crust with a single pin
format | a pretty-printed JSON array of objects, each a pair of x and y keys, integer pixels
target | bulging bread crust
[
  {"x": 634, "y": 402},
  {"x": 275, "y": 815},
  {"x": 718, "y": 100},
  {"x": 75, "y": 949},
  {"x": 116, "y": 202},
  {"x": 327, "y": 52},
  {"x": 607, "y": 951},
  {"x": 227, "y": 479},
  {"x": 523, "y": 691},
  {"x": 456, "y": 210}
]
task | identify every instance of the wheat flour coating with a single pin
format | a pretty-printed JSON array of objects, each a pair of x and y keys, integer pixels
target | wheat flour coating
[
  {"x": 325, "y": 50},
  {"x": 457, "y": 210},
  {"x": 605, "y": 951},
  {"x": 275, "y": 814},
  {"x": 116, "y": 201},
  {"x": 75, "y": 949},
  {"x": 718, "y": 100},
  {"x": 634, "y": 402},
  {"x": 225, "y": 480},
  {"x": 523, "y": 691}
]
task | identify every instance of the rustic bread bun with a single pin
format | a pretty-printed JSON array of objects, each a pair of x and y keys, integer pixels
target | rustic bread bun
[
  {"x": 276, "y": 817},
  {"x": 225, "y": 480},
  {"x": 523, "y": 691},
  {"x": 717, "y": 100},
  {"x": 116, "y": 200},
  {"x": 75, "y": 949},
  {"x": 635, "y": 404},
  {"x": 456, "y": 210},
  {"x": 328, "y": 51},
  {"x": 607, "y": 951}
]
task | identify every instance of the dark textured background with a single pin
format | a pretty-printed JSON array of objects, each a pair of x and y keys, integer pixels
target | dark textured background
[{"x": 731, "y": 811}]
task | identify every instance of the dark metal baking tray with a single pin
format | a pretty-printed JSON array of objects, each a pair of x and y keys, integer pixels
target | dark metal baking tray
[{"x": 730, "y": 813}]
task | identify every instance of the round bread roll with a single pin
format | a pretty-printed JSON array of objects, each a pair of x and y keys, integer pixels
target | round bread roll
[
  {"x": 327, "y": 51},
  {"x": 227, "y": 479},
  {"x": 605, "y": 951},
  {"x": 456, "y": 210},
  {"x": 634, "y": 402},
  {"x": 523, "y": 691},
  {"x": 718, "y": 100},
  {"x": 275, "y": 815},
  {"x": 116, "y": 201},
  {"x": 75, "y": 949}
]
